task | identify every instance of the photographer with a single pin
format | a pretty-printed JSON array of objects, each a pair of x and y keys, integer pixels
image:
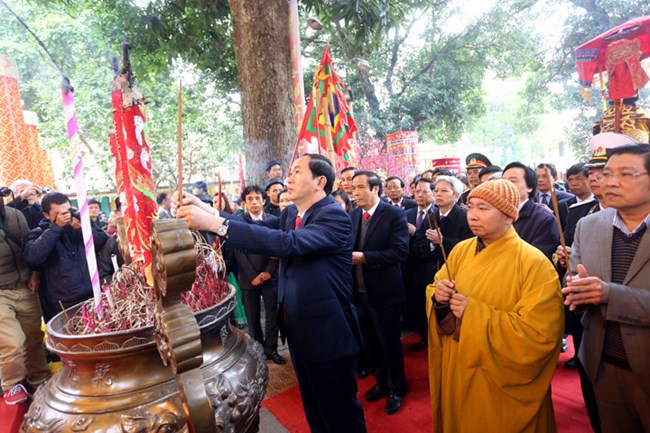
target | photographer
[
  {"x": 26, "y": 198},
  {"x": 56, "y": 247}
]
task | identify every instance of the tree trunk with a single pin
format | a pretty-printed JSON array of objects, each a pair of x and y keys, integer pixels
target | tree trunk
[{"x": 261, "y": 40}]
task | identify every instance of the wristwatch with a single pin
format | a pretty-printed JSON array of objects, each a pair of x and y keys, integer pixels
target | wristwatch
[{"x": 222, "y": 231}]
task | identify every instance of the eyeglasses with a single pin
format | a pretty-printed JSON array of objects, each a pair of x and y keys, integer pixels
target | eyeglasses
[
  {"x": 596, "y": 175},
  {"x": 623, "y": 178}
]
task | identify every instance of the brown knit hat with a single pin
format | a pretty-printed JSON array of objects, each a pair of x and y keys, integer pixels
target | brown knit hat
[{"x": 500, "y": 193}]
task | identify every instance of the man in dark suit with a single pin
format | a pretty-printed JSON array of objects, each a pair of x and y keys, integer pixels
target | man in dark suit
[
  {"x": 580, "y": 204},
  {"x": 417, "y": 271},
  {"x": 610, "y": 260},
  {"x": 312, "y": 239},
  {"x": 346, "y": 183},
  {"x": 380, "y": 235},
  {"x": 395, "y": 194},
  {"x": 258, "y": 278},
  {"x": 535, "y": 225},
  {"x": 544, "y": 183}
]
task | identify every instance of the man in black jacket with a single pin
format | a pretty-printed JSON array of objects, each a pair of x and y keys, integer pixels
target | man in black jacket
[
  {"x": 417, "y": 271},
  {"x": 56, "y": 247},
  {"x": 26, "y": 198},
  {"x": 381, "y": 241},
  {"x": 395, "y": 194},
  {"x": 535, "y": 225}
]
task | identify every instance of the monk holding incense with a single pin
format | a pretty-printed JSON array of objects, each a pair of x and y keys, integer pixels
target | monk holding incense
[{"x": 496, "y": 317}]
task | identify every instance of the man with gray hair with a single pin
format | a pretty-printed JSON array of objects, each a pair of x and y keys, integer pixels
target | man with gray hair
[
  {"x": 451, "y": 219},
  {"x": 27, "y": 198}
]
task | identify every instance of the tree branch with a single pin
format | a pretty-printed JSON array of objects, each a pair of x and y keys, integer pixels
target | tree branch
[
  {"x": 397, "y": 43},
  {"x": 52, "y": 59},
  {"x": 38, "y": 40}
]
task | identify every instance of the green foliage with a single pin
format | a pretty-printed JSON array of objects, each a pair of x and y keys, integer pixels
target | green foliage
[
  {"x": 371, "y": 20},
  {"x": 428, "y": 72},
  {"x": 428, "y": 65},
  {"x": 76, "y": 38},
  {"x": 552, "y": 81}
]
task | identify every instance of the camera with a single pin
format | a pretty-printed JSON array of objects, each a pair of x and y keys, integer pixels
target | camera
[
  {"x": 5, "y": 192},
  {"x": 74, "y": 213}
]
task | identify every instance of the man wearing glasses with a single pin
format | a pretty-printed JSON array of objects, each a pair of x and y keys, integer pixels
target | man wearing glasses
[{"x": 610, "y": 261}]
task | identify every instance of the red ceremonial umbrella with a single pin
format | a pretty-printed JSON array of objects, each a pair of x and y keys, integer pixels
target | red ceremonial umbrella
[{"x": 591, "y": 56}]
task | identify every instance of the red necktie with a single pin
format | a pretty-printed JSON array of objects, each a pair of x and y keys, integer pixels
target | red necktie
[
  {"x": 366, "y": 216},
  {"x": 298, "y": 221}
]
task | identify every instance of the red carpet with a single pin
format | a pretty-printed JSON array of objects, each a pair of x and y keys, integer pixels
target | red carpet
[
  {"x": 415, "y": 415},
  {"x": 11, "y": 416}
]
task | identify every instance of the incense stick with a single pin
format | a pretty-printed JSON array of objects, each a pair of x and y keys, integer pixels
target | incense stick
[
  {"x": 442, "y": 247},
  {"x": 556, "y": 211},
  {"x": 63, "y": 309}
]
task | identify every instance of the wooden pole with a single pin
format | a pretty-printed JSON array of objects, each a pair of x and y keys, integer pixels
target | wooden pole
[
  {"x": 556, "y": 211},
  {"x": 180, "y": 142}
]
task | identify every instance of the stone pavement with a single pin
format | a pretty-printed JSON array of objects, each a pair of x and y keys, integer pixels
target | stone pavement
[{"x": 269, "y": 424}]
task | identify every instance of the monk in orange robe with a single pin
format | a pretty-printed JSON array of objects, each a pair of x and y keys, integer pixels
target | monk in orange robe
[{"x": 496, "y": 321}]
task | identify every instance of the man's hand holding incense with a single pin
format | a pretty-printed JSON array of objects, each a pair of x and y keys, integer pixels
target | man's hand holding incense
[
  {"x": 432, "y": 236},
  {"x": 444, "y": 291},
  {"x": 198, "y": 215},
  {"x": 189, "y": 199},
  {"x": 561, "y": 256},
  {"x": 457, "y": 304}
]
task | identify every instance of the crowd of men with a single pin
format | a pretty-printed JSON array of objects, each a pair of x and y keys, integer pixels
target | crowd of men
[{"x": 476, "y": 264}]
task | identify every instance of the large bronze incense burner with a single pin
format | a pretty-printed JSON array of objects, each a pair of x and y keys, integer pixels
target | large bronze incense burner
[{"x": 214, "y": 380}]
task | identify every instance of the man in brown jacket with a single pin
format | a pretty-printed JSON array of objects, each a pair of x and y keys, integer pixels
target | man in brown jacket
[{"x": 22, "y": 356}]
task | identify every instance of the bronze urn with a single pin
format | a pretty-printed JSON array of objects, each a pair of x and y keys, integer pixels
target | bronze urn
[{"x": 117, "y": 382}]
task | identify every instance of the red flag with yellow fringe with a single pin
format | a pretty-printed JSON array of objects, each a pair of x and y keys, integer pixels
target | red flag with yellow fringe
[{"x": 343, "y": 127}]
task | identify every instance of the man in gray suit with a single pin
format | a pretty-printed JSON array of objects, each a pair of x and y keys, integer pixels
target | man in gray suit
[{"x": 611, "y": 264}]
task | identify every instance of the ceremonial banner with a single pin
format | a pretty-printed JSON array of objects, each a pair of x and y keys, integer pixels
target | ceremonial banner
[
  {"x": 12, "y": 124},
  {"x": 452, "y": 164},
  {"x": 134, "y": 161},
  {"x": 328, "y": 85},
  {"x": 402, "y": 146}
]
